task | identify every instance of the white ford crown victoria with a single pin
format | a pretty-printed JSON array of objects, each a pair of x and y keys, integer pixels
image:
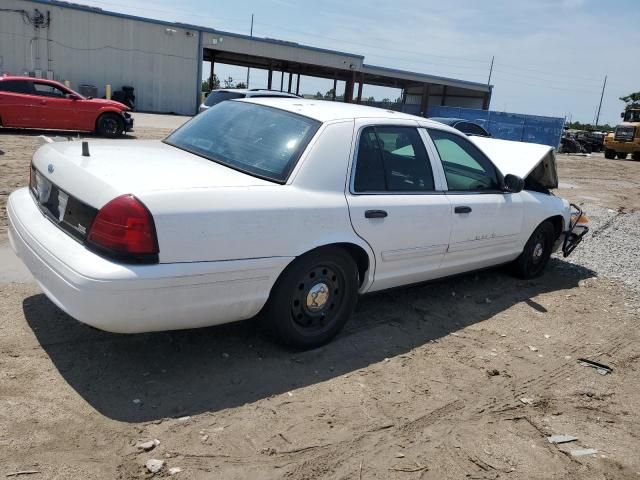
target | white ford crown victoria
[{"x": 287, "y": 207}]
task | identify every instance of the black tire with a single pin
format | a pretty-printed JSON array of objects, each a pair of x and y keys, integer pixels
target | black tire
[
  {"x": 621, "y": 155},
  {"x": 110, "y": 125},
  {"x": 535, "y": 256},
  {"x": 295, "y": 316},
  {"x": 636, "y": 156},
  {"x": 610, "y": 154}
]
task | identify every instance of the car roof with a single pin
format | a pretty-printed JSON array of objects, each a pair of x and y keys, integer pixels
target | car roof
[
  {"x": 326, "y": 110},
  {"x": 257, "y": 91},
  {"x": 29, "y": 79}
]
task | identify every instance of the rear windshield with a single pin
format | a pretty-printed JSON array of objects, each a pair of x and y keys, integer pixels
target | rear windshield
[
  {"x": 255, "y": 139},
  {"x": 217, "y": 97}
]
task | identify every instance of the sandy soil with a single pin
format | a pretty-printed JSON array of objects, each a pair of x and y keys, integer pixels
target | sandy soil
[{"x": 462, "y": 378}]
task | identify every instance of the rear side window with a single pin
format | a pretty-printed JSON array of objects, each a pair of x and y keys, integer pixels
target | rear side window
[
  {"x": 263, "y": 141},
  {"x": 471, "y": 129},
  {"x": 392, "y": 159},
  {"x": 47, "y": 90},
  {"x": 466, "y": 168},
  {"x": 216, "y": 97},
  {"x": 15, "y": 86}
]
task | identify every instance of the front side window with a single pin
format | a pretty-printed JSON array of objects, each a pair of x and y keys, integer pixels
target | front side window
[
  {"x": 392, "y": 159},
  {"x": 466, "y": 168},
  {"x": 46, "y": 90},
  {"x": 216, "y": 97},
  {"x": 262, "y": 141},
  {"x": 15, "y": 86}
]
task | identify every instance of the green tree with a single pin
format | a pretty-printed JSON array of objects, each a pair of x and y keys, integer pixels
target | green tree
[
  {"x": 632, "y": 100},
  {"x": 216, "y": 83},
  {"x": 228, "y": 82},
  {"x": 318, "y": 96},
  {"x": 329, "y": 94},
  {"x": 240, "y": 85},
  {"x": 370, "y": 99}
]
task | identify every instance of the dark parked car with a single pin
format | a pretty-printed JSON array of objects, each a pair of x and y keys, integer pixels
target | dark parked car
[
  {"x": 222, "y": 94},
  {"x": 465, "y": 126}
]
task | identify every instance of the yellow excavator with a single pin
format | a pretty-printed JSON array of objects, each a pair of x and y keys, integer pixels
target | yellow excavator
[{"x": 626, "y": 138}]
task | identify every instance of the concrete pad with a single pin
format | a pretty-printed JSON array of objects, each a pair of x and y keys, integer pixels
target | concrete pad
[{"x": 12, "y": 270}]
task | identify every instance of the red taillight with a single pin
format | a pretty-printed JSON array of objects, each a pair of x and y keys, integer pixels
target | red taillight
[{"x": 124, "y": 226}]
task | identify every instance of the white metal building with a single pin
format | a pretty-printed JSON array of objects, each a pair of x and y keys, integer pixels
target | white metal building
[{"x": 163, "y": 60}]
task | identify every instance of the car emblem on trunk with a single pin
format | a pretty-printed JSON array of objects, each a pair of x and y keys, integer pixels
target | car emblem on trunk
[{"x": 50, "y": 168}]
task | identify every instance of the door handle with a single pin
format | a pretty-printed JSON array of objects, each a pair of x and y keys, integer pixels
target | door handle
[
  {"x": 462, "y": 209},
  {"x": 375, "y": 214}
]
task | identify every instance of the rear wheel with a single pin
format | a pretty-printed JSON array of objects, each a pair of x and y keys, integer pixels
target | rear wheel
[
  {"x": 110, "y": 125},
  {"x": 636, "y": 156},
  {"x": 313, "y": 298},
  {"x": 621, "y": 155},
  {"x": 535, "y": 256},
  {"x": 610, "y": 154}
]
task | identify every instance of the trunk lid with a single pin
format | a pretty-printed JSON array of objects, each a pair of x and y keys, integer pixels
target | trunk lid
[
  {"x": 532, "y": 162},
  {"x": 119, "y": 167}
]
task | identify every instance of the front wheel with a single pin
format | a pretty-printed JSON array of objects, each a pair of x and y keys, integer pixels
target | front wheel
[
  {"x": 313, "y": 298},
  {"x": 110, "y": 125},
  {"x": 636, "y": 156},
  {"x": 621, "y": 155},
  {"x": 610, "y": 154},
  {"x": 535, "y": 256}
]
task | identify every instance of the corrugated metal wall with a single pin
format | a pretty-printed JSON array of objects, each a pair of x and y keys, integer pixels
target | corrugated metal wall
[{"x": 160, "y": 62}]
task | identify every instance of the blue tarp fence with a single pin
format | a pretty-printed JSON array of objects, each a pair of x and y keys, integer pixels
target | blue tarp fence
[{"x": 508, "y": 126}]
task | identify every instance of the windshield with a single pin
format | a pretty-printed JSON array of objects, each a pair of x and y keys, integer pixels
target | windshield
[
  {"x": 632, "y": 116},
  {"x": 216, "y": 97},
  {"x": 255, "y": 139}
]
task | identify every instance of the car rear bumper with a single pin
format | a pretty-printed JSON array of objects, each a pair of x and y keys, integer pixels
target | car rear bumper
[{"x": 135, "y": 298}]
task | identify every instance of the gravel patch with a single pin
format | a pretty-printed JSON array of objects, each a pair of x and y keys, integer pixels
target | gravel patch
[{"x": 611, "y": 246}]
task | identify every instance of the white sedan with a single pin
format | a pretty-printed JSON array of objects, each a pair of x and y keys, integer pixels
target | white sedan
[{"x": 288, "y": 207}]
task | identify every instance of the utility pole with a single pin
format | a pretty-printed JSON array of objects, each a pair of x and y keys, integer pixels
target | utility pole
[
  {"x": 602, "y": 95},
  {"x": 249, "y": 68},
  {"x": 491, "y": 70}
]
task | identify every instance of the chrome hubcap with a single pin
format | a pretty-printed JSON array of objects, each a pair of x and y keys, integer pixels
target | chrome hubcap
[
  {"x": 317, "y": 297},
  {"x": 538, "y": 251}
]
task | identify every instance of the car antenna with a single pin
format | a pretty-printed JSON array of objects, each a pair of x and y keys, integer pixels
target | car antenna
[{"x": 85, "y": 149}]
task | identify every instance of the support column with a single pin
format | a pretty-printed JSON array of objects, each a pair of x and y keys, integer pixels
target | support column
[
  {"x": 213, "y": 61},
  {"x": 281, "y": 80},
  {"x": 444, "y": 96},
  {"x": 270, "y": 78},
  {"x": 360, "y": 84},
  {"x": 298, "y": 85},
  {"x": 289, "y": 87},
  {"x": 348, "y": 91},
  {"x": 424, "y": 104},
  {"x": 335, "y": 87},
  {"x": 486, "y": 101}
]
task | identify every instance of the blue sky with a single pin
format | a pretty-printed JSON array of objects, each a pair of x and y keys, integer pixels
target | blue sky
[{"x": 551, "y": 56}]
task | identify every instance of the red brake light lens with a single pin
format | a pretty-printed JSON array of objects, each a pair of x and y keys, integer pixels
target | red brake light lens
[{"x": 124, "y": 228}]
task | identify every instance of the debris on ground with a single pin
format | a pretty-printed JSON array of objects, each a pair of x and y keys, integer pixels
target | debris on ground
[
  {"x": 532, "y": 348},
  {"x": 582, "y": 452},
  {"x": 557, "y": 439},
  {"x": 154, "y": 465},
  {"x": 150, "y": 445},
  {"x": 601, "y": 368},
  {"x": 527, "y": 401},
  {"x": 174, "y": 470},
  {"x": 22, "y": 472}
]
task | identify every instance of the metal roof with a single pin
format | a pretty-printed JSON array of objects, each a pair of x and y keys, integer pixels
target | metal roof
[
  {"x": 424, "y": 78},
  {"x": 367, "y": 69}
]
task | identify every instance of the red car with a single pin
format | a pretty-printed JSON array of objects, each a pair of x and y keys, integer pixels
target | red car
[{"x": 27, "y": 102}]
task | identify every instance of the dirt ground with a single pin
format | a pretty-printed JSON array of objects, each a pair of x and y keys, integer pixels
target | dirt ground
[{"x": 462, "y": 378}]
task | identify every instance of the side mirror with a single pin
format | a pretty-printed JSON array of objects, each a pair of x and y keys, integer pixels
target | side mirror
[
  {"x": 71, "y": 96},
  {"x": 513, "y": 183}
]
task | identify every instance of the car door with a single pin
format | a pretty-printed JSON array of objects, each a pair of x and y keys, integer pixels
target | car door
[
  {"x": 53, "y": 108},
  {"x": 396, "y": 204},
  {"x": 486, "y": 221},
  {"x": 16, "y": 103}
]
